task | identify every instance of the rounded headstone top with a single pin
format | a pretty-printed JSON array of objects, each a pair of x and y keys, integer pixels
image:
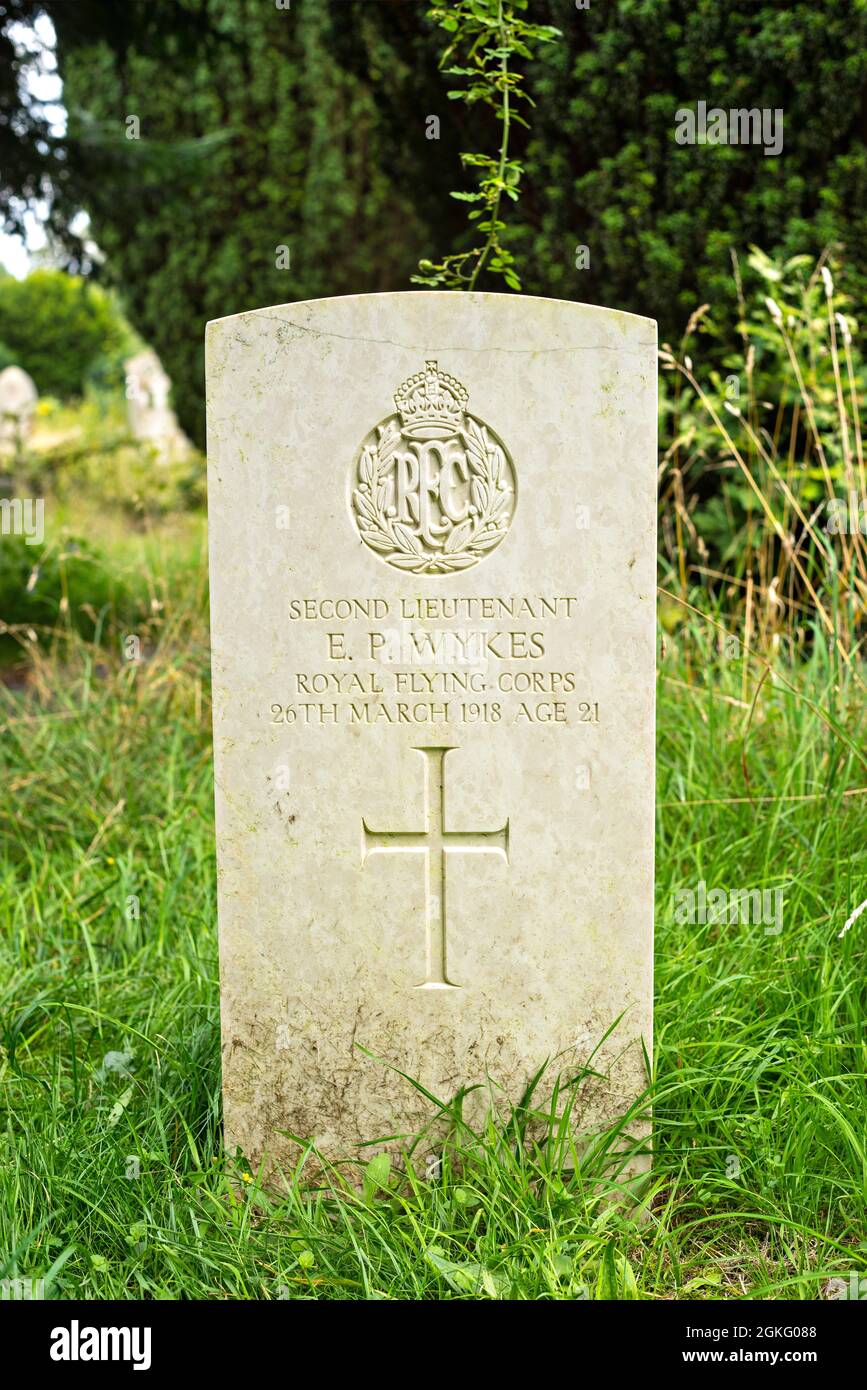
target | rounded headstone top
[
  {"x": 18, "y": 392},
  {"x": 18, "y": 397},
  {"x": 146, "y": 365}
]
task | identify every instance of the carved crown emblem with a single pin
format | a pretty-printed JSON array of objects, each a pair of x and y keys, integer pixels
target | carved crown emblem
[
  {"x": 431, "y": 404},
  {"x": 433, "y": 488}
]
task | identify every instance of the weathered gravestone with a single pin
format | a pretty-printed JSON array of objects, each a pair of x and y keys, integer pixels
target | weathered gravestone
[
  {"x": 432, "y": 529},
  {"x": 18, "y": 397},
  {"x": 151, "y": 418}
]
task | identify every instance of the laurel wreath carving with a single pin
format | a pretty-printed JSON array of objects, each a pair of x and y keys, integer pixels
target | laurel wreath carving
[{"x": 470, "y": 539}]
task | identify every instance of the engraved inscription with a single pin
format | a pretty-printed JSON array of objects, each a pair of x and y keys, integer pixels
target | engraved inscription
[
  {"x": 381, "y": 660},
  {"x": 433, "y": 487},
  {"x": 435, "y": 843}
]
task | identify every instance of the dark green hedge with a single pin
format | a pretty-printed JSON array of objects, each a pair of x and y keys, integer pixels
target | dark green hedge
[{"x": 306, "y": 128}]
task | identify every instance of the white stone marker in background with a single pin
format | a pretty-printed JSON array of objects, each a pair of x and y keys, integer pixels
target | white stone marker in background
[
  {"x": 432, "y": 530},
  {"x": 151, "y": 418},
  {"x": 18, "y": 397}
]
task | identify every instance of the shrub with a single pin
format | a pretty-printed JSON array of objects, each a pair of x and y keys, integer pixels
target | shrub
[
  {"x": 58, "y": 327},
  {"x": 603, "y": 167},
  {"x": 55, "y": 589},
  {"x": 764, "y": 489}
]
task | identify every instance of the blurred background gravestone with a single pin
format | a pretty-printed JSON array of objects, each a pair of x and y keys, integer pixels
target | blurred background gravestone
[
  {"x": 151, "y": 418},
  {"x": 18, "y": 397}
]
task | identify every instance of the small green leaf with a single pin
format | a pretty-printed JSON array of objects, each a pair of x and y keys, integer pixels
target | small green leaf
[
  {"x": 376, "y": 1175},
  {"x": 119, "y": 1106}
]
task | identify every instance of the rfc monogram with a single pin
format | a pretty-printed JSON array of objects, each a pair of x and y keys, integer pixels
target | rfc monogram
[{"x": 433, "y": 487}]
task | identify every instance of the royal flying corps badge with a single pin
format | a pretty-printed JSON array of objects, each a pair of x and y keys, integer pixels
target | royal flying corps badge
[{"x": 433, "y": 487}]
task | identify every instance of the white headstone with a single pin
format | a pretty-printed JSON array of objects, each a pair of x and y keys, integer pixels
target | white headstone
[
  {"x": 151, "y": 418},
  {"x": 18, "y": 397},
  {"x": 432, "y": 529}
]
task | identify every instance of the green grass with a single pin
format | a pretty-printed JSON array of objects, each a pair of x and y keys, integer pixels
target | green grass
[{"x": 113, "y": 1182}]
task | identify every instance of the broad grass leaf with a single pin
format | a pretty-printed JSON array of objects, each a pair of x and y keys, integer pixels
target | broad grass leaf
[
  {"x": 376, "y": 1175},
  {"x": 469, "y": 1278}
]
